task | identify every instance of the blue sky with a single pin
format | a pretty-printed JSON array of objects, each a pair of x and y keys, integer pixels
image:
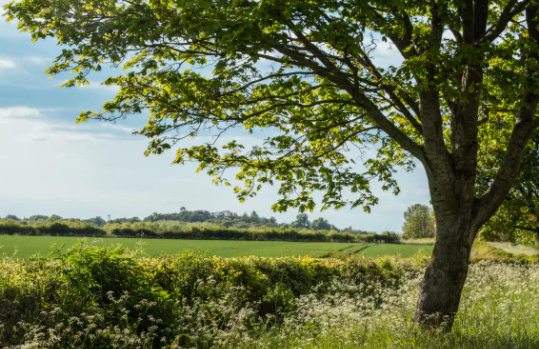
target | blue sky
[{"x": 48, "y": 164}]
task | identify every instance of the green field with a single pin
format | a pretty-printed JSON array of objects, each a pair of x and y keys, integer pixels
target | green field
[{"x": 26, "y": 246}]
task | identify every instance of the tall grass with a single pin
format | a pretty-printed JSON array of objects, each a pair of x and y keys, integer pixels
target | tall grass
[{"x": 499, "y": 309}]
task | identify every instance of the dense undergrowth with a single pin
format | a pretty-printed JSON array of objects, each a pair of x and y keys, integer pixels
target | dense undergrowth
[
  {"x": 100, "y": 298},
  {"x": 182, "y": 230},
  {"x": 92, "y": 297}
]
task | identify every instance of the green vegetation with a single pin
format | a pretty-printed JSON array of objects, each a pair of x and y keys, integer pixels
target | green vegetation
[
  {"x": 419, "y": 222},
  {"x": 221, "y": 218},
  {"x": 497, "y": 311},
  {"x": 26, "y": 246},
  {"x": 181, "y": 230},
  {"x": 96, "y": 297},
  {"x": 517, "y": 220}
]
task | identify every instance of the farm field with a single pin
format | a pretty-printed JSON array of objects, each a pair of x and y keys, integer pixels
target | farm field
[{"x": 26, "y": 246}]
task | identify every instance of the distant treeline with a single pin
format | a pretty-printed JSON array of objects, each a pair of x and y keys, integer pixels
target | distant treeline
[
  {"x": 222, "y": 218},
  {"x": 183, "y": 230}
]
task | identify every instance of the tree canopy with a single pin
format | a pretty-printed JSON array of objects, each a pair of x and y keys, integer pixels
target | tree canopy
[
  {"x": 302, "y": 221},
  {"x": 419, "y": 222},
  {"x": 307, "y": 71}
]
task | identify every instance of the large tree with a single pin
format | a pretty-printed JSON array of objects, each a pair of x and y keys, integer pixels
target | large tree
[{"x": 311, "y": 73}]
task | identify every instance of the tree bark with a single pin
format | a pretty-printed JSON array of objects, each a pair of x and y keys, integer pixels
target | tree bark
[
  {"x": 455, "y": 208},
  {"x": 445, "y": 274}
]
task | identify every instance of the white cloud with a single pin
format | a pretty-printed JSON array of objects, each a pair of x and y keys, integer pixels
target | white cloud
[
  {"x": 18, "y": 112},
  {"x": 39, "y": 125},
  {"x": 10, "y": 62},
  {"x": 38, "y": 60},
  {"x": 6, "y": 63}
]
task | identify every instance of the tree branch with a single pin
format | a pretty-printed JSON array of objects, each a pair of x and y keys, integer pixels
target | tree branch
[
  {"x": 437, "y": 157},
  {"x": 341, "y": 79},
  {"x": 388, "y": 127},
  {"x": 404, "y": 43},
  {"x": 512, "y": 8}
]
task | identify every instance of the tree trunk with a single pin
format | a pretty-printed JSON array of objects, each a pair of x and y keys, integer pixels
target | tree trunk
[{"x": 446, "y": 272}]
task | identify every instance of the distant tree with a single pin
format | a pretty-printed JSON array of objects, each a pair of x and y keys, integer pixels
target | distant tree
[
  {"x": 55, "y": 218},
  {"x": 133, "y": 219},
  {"x": 97, "y": 221},
  {"x": 12, "y": 217},
  {"x": 254, "y": 217},
  {"x": 199, "y": 216},
  {"x": 419, "y": 222},
  {"x": 389, "y": 236},
  {"x": 321, "y": 224},
  {"x": 302, "y": 221},
  {"x": 37, "y": 217}
]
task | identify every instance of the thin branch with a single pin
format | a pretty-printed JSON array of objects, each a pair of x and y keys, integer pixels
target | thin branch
[
  {"x": 404, "y": 43},
  {"x": 512, "y": 9}
]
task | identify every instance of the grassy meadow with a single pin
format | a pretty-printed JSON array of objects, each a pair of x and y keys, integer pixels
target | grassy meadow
[{"x": 27, "y": 246}]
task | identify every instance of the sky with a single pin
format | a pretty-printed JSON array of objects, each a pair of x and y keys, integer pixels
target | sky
[{"x": 50, "y": 165}]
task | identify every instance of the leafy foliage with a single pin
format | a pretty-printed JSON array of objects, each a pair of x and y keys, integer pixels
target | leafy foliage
[
  {"x": 419, "y": 222},
  {"x": 517, "y": 220}
]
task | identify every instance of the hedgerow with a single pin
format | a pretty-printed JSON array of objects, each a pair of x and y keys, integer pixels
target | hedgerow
[
  {"x": 97, "y": 297},
  {"x": 182, "y": 230}
]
